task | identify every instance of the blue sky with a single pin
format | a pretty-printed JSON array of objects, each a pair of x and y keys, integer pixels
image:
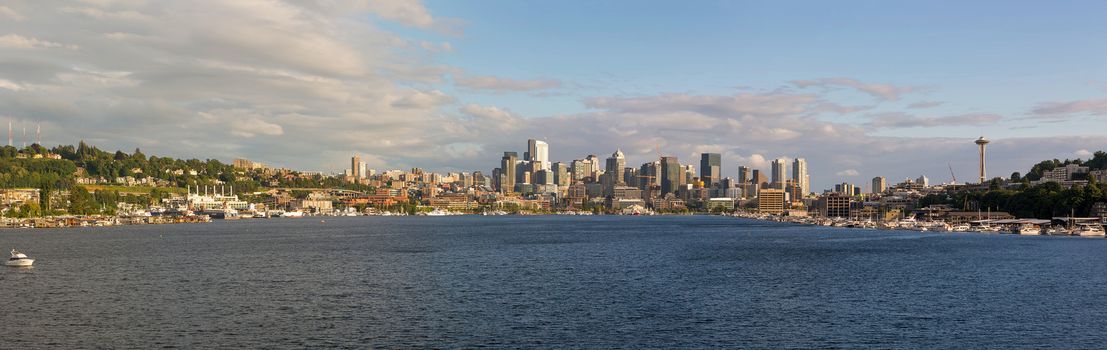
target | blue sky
[
  {"x": 975, "y": 56},
  {"x": 860, "y": 89}
]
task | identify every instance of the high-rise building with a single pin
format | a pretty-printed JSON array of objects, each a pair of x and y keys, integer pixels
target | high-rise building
[
  {"x": 539, "y": 152},
  {"x": 779, "y": 174},
  {"x": 594, "y": 161},
  {"x": 923, "y": 181},
  {"x": 581, "y": 169},
  {"x": 689, "y": 174},
  {"x": 800, "y": 178},
  {"x": 355, "y": 167},
  {"x": 362, "y": 170},
  {"x": 649, "y": 175},
  {"x": 615, "y": 165},
  {"x": 562, "y": 175},
  {"x": 671, "y": 175},
  {"x": 507, "y": 169},
  {"x": 743, "y": 174},
  {"x": 879, "y": 184},
  {"x": 710, "y": 168}
]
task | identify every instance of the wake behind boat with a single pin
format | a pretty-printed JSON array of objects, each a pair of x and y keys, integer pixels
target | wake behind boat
[{"x": 19, "y": 259}]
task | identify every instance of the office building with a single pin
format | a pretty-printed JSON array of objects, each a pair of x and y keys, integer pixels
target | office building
[
  {"x": 355, "y": 169},
  {"x": 507, "y": 171},
  {"x": 835, "y": 205},
  {"x": 562, "y": 176},
  {"x": 770, "y": 201},
  {"x": 879, "y": 184},
  {"x": 614, "y": 169},
  {"x": 671, "y": 175},
  {"x": 743, "y": 174},
  {"x": 538, "y": 152},
  {"x": 710, "y": 168}
]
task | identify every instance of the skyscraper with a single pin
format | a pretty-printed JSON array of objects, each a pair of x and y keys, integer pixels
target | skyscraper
[
  {"x": 879, "y": 184},
  {"x": 710, "y": 168},
  {"x": 561, "y": 174},
  {"x": 581, "y": 168},
  {"x": 779, "y": 174},
  {"x": 649, "y": 175},
  {"x": 539, "y": 152},
  {"x": 800, "y": 179},
  {"x": 355, "y": 167},
  {"x": 595, "y": 163},
  {"x": 507, "y": 169},
  {"x": 743, "y": 174},
  {"x": 615, "y": 165},
  {"x": 671, "y": 175}
]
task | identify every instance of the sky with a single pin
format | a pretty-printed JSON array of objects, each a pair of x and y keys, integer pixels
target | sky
[{"x": 858, "y": 88}]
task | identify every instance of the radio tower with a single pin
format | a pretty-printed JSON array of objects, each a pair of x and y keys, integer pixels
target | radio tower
[
  {"x": 38, "y": 134},
  {"x": 10, "y": 133}
]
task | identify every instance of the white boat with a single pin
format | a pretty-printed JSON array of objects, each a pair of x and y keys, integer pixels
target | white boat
[
  {"x": 1028, "y": 229},
  {"x": 19, "y": 259},
  {"x": 1089, "y": 230},
  {"x": 438, "y": 212},
  {"x": 1058, "y": 231},
  {"x": 292, "y": 214},
  {"x": 961, "y": 228}
]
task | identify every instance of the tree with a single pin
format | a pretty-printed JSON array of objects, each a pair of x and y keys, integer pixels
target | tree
[{"x": 1016, "y": 177}]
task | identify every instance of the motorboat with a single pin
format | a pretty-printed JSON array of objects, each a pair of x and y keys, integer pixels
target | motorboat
[
  {"x": 1089, "y": 230},
  {"x": 1058, "y": 231},
  {"x": 19, "y": 259},
  {"x": 961, "y": 228}
]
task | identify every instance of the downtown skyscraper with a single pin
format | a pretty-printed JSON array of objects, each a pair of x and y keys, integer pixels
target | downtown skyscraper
[
  {"x": 800, "y": 179},
  {"x": 539, "y": 153},
  {"x": 710, "y": 168},
  {"x": 779, "y": 174},
  {"x": 672, "y": 175}
]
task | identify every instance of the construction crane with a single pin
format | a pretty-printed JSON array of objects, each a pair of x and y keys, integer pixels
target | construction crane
[{"x": 951, "y": 173}]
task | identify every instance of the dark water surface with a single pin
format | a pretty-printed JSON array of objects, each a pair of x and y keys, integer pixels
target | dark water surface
[{"x": 538, "y": 282}]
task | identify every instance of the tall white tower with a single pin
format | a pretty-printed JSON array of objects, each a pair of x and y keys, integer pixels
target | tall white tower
[{"x": 982, "y": 142}]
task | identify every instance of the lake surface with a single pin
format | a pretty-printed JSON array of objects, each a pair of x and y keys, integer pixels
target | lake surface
[{"x": 544, "y": 282}]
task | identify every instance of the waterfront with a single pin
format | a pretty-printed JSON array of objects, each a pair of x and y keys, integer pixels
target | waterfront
[{"x": 545, "y": 281}]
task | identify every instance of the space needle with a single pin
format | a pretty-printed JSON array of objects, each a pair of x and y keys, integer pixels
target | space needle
[{"x": 982, "y": 142}]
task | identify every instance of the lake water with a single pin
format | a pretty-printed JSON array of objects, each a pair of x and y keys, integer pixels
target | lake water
[{"x": 544, "y": 282}]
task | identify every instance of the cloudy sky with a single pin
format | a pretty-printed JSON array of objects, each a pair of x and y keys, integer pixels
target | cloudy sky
[{"x": 860, "y": 89}]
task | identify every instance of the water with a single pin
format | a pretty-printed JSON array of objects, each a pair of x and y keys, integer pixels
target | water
[{"x": 540, "y": 282}]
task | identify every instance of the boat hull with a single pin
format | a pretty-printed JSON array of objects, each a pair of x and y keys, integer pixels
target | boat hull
[{"x": 20, "y": 262}]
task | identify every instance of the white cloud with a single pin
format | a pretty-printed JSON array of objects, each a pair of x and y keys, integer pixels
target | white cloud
[
  {"x": 504, "y": 84},
  {"x": 10, "y": 85},
  {"x": 1097, "y": 107},
  {"x": 904, "y": 120},
  {"x": 924, "y": 104},
  {"x": 887, "y": 92},
  {"x": 1084, "y": 153},
  {"x": 7, "y": 12},
  {"x": 15, "y": 41},
  {"x": 848, "y": 173}
]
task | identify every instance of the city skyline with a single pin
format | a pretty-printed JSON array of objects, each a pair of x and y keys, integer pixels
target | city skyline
[{"x": 447, "y": 87}]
